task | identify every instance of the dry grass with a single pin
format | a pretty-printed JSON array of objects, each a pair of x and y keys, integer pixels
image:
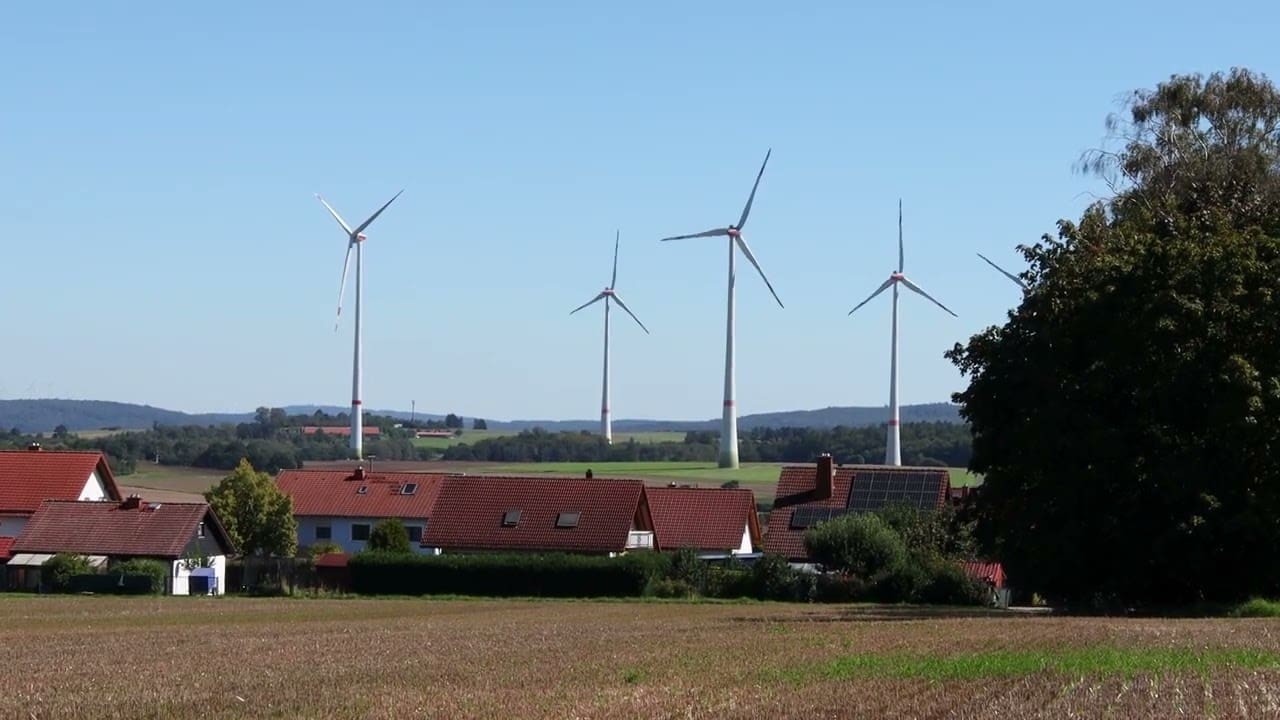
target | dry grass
[{"x": 159, "y": 658}]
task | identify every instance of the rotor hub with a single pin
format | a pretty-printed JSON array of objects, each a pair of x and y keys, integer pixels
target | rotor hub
[
  {"x": 896, "y": 276},
  {"x": 734, "y": 232}
]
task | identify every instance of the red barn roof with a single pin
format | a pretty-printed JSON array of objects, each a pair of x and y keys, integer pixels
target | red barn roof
[
  {"x": 119, "y": 529},
  {"x": 702, "y": 518},
  {"x": 28, "y": 477},
  {"x": 6, "y": 544},
  {"x": 853, "y": 488},
  {"x": 360, "y": 494},
  {"x": 339, "y": 430},
  {"x": 536, "y": 514}
]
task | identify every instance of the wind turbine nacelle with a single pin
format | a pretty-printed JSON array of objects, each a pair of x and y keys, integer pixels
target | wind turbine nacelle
[
  {"x": 896, "y": 276},
  {"x": 733, "y": 231}
]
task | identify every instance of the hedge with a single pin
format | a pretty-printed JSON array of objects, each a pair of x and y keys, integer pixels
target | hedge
[
  {"x": 505, "y": 575},
  {"x": 111, "y": 584}
]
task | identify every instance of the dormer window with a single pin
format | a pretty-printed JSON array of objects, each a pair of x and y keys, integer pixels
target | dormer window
[{"x": 568, "y": 519}]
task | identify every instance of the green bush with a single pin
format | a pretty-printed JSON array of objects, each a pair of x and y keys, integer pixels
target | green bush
[
  {"x": 325, "y": 547},
  {"x": 57, "y": 571},
  {"x": 155, "y": 571},
  {"x": 949, "y": 584},
  {"x": 860, "y": 544},
  {"x": 728, "y": 582},
  {"x": 837, "y": 588},
  {"x": 686, "y": 567},
  {"x": 900, "y": 584},
  {"x": 556, "y": 575},
  {"x": 672, "y": 588},
  {"x": 772, "y": 578},
  {"x": 390, "y": 536},
  {"x": 1257, "y": 608}
]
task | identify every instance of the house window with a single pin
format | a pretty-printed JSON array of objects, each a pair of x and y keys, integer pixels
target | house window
[
  {"x": 511, "y": 518},
  {"x": 415, "y": 534},
  {"x": 360, "y": 531},
  {"x": 567, "y": 519},
  {"x": 200, "y": 530},
  {"x": 409, "y": 489},
  {"x": 324, "y": 532}
]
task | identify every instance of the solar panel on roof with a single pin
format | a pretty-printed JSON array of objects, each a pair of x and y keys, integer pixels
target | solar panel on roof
[
  {"x": 873, "y": 489},
  {"x": 806, "y": 517}
]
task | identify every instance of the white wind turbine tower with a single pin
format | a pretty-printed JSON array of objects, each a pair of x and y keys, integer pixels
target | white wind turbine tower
[
  {"x": 892, "y": 448},
  {"x": 729, "y": 418},
  {"x": 609, "y": 293},
  {"x": 355, "y": 239},
  {"x": 1021, "y": 283}
]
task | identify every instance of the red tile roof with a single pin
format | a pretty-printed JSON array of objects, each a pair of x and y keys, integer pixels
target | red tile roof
[
  {"x": 984, "y": 571},
  {"x": 796, "y": 489},
  {"x": 336, "y": 493},
  {"x": 702, "y": 518},
  {"x": 340, "y": 430},
  {"x": 117, "y": 529},
  {"x": 29, "y": 477},
  {"x": 470, "y": 510},
  {"x": 6, "y": 543}
]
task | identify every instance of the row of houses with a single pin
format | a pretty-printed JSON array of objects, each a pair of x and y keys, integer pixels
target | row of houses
[{"x": 69, "y": 502}]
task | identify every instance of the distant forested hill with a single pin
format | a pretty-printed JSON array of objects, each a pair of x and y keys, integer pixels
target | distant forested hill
[{"x": 46, "y": 414}]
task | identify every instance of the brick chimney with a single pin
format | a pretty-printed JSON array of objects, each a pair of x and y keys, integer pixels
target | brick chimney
[
  {"x": 359, "y": 473},
  {"x": 35, "y": 447},
  {"x": 133, "y": 502},
  {"x": 825, "y": 477}
]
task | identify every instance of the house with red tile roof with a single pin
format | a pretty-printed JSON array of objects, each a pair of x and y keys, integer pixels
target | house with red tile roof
[
  {"x": 29, "y": 477},
  {"x": 341, "y": 506},
  {"x": 715, "y": 522},
  {"x": 810, "y": 494},
  {"x": 186, "y": 536},
  {"x": 340, "y": 430},
  {"x": 540, "y": 514}
]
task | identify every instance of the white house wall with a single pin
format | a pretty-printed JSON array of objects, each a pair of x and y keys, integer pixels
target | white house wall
[
  {"x": 181, "y": 575},
  {"x": 744, "y": 548},
  {"x": 94, "y": 489},
  {"x": 340, "y": 532}
]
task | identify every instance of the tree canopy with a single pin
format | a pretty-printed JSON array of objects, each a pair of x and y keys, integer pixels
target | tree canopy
[
  {"x": 255, "y": 513},
  {"x": 1127, "y": 413}
]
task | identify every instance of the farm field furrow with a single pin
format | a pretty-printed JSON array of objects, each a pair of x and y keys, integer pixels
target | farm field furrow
[{"x": 392, "y": 658}]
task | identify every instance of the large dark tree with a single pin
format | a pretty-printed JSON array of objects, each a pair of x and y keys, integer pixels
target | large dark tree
[{"x": 1127, "y": 415}]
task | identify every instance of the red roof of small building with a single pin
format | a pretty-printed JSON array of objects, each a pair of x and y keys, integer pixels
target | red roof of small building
[
  {"x": 985, "y": 571},
  {"x": 332, "y": 560},
  {"x": 339, "y": 430},
  {"x": 704, "y": 519},
  {"x": 6, "y": 543},
  {"x": 797, "y": 488},
  {"x": 28, "y": 477},
  {"x": 470, "y": 511},
  {"x": 336, "y": 493},
  {"x": 118, "y": 529}
]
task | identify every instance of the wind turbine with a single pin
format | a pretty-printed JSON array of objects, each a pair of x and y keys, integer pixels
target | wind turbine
[
  {"x": 355, "y": 239},
  {"x": 609, "y": 293},
  {"x": 1021, "y": 283},
  {"x": 892, "y": 448},
  {"x": 729, "y": 418}
]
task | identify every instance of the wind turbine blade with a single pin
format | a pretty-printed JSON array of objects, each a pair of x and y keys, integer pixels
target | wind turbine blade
[
  {"x": 633, "y": 315},
  {"x": 335, "y": 215},
  {"x": 1006, "y": 273},
  {"x": 916, "y": 288},
  {"x": 588, "y": 303},
  {"x": 374, "y": 216},
  {"x": 709, "y": 233},
  {"x": 742, "y": 243},
  {"x": 616, "y": 236},
  {"x": 900, "y": 253},
  {"x": 872, "y": 296},
  {"x": 751, "y": 198},
  {"x": 342, "y": 289}
]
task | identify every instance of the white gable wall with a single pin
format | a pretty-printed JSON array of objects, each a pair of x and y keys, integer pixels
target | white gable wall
[
  {"x": 744, "y": 548},
  {"x": 94, "y": 489}
]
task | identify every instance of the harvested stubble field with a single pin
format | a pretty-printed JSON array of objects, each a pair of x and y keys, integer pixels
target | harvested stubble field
[{"x": 396, "y": 658}]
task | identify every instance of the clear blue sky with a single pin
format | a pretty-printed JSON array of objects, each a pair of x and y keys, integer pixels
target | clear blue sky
[{"x": 163, "y": 244}]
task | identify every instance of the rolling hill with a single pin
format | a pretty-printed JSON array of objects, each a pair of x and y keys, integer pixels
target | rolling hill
[{"x": 43, "y": 415}]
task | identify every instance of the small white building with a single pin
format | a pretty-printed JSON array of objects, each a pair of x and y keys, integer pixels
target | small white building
[
  {"x": 342, "y": 507},
  {"x": 187, "y": 537}
]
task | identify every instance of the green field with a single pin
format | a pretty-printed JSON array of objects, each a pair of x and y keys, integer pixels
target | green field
[
  {"x": 474, "y": 436},
  {"x": 748, "y": 473}
]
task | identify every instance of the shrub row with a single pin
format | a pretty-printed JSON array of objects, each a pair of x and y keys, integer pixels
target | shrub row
[
  {"x": 555, "y": 575},
  {"x": 112, "y": 584}
]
